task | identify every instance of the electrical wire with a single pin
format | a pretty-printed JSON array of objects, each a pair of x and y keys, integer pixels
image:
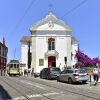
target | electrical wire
[
  {"x": 19, "y": 22},
  {"x": 74, "y": 8}
]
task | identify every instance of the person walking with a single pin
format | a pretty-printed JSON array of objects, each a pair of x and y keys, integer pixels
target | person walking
[{"x": 96, "y": 72}]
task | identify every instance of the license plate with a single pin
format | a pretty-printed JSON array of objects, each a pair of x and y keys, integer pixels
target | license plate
[{"x": 82, "y": 75}]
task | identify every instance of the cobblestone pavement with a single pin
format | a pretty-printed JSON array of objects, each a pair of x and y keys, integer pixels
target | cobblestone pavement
[{"x": 30, "y": 88}]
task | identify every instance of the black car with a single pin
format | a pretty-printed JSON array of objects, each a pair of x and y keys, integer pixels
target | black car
[{"x": 50, "y": 73}]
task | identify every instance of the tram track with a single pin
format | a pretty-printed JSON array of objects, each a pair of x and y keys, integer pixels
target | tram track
[
  {"x": 25, "y": 96},
  {"x": 71, "y": 90},
  {"x": 10, "y": 81}
]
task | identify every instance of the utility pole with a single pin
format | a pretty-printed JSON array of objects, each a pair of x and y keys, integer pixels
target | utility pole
[{"x": 15, "y": 53}]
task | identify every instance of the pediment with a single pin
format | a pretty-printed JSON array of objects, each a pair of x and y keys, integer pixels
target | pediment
[{"x": 50, "y": 23}]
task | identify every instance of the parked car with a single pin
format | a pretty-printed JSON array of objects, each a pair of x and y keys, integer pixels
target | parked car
[
  {"x": 73, "y": 75},
  {"x": 49, "y": 73}
]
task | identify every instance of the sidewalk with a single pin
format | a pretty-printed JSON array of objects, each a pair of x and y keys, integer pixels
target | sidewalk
[{"x": 92, "y": 80}]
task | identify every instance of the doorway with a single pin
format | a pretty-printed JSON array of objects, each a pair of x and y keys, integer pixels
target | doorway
[{"x": 51, "y": 61}]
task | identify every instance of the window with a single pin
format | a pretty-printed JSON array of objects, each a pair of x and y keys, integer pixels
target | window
[
  {"x": 70, "y": 71},
  {"x": 55, "y": 69},
  {"x": 51, "y": 44},
  {"x": 1, "y": 51},
  {"x": 64, "y": 72},
  {"x": 1, "y": 60},
  {"x": 17, "y": 65},
  {"x": 80, "y": 71}
]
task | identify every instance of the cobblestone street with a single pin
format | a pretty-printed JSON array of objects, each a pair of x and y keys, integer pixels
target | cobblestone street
[{"x": 30, "y": 88}]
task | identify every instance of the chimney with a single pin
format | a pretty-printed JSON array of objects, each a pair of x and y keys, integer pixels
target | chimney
[{"x": 3, "y": 41}]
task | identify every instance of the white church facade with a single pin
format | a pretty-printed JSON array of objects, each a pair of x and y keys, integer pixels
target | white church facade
[{"x": 51, "y": 45}]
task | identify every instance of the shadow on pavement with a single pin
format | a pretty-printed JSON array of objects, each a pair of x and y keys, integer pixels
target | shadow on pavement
[
  {"x": 79, "y": 83},
  {"x": 75, "y": 83},
  {"x": 4, "y": 94}
]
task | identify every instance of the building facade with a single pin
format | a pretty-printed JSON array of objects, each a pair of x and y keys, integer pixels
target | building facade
[
  {"x": 51, "y": 44},
  {"x": 3, "y": 58}
]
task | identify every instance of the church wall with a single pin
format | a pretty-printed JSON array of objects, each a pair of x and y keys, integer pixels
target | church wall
[
  {"x": 41, "y": 48},
  {"x": 69, "y": 51},
  {"x": 61, "y": 48},
  {"x": 74, "y": 49},
  {"x": 24, "y": 54},
  {"x": 24, "y": 50}
]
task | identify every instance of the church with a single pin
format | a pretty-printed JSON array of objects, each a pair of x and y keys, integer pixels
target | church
[{"x": 51, "y": 45}]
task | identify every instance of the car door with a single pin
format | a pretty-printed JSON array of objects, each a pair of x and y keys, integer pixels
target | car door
[
  {"x": 65, "y": 75},
  {"x": 62, "y": 75},
  {"x": 42, "y": 73},
  {"x": 45, "y": 72},
  {"x": 69, "y": 74}
]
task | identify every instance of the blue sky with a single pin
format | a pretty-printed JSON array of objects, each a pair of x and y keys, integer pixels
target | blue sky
[{"x": 85, "y": 22}]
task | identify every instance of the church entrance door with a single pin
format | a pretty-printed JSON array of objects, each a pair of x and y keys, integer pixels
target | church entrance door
[{"x": 51, "y": 61}]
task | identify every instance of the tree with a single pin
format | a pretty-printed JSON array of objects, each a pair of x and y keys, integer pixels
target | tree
[
  {"x": 29, "y": 57},
  {"x": 84, "y": 61}
]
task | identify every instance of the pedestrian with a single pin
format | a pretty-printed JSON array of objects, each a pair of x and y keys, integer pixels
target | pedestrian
[{"x": 96, "y": 72}]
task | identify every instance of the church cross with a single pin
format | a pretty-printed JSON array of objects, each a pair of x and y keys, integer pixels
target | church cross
[{"x": 50, "y": 6}]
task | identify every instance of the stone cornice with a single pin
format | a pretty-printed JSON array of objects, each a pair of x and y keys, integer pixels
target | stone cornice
[
  {"x": 50, "y": 30},
  {"x": 51, "y": 36}
]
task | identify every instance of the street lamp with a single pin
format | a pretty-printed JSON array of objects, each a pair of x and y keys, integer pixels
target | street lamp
[{"x": 96, "y": 63}]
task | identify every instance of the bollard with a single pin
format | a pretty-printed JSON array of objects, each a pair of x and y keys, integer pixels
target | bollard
[{"x": 90, "y": 80}]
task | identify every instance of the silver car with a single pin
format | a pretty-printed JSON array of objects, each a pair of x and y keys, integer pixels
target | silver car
[{"x": 73, "y": 75}]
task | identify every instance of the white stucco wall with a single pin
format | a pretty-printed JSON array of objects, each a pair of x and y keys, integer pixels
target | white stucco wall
[
  {"x": 24, "y": 54},
  {"x": 61, "y": 48},
  {"x": 74, "y": 49},
  {"x": 41, "y": 47}
]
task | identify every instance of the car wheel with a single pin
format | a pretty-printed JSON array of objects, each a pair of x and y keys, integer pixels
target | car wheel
[
  {"x": 70, "y": 81},
  {"x": 48, "y": 77},
  {"x": 41, "y": 76},
  {"x": 58, "y": 80},
  {"x": 84, "y": 82}
]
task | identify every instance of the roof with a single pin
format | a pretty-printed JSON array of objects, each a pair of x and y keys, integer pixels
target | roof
[
  {"x": 4, "y": 46},
  {"x": 51, "y": 21},
  {"x": 13, "y": 61},
  {"x": 26, "y": 39},
  {"x": 73, "y": 39}
]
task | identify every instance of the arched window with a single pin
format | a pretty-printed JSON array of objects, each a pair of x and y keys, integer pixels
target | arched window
[{"x": 51, "y": 44}]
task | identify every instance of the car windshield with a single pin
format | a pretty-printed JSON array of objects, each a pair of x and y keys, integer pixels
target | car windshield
[
  {"x": 80, "y": 71},
  {"x": 55, "y": 69}
]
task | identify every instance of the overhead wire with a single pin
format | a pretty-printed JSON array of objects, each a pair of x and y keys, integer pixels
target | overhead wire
[
  {"x": 71, "y": 10},
  {"x": 74, "y": 8},
  {"x": 19, "y": 22}
]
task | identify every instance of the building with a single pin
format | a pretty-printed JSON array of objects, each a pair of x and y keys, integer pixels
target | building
[
  {"x": 51, "y": 45},
  {"x": 24, "y": 53},
  {"x": 3, "y": 58}
]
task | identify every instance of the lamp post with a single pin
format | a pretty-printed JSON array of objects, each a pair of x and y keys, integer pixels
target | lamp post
[{"x": 96, "y": 63}]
